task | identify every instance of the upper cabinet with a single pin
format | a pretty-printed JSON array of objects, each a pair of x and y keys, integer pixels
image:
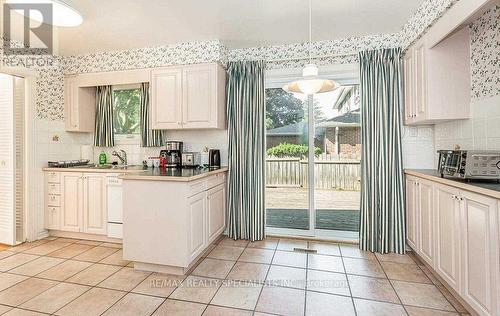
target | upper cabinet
[
  {"x": 188, "y": 97},
  {"x": 437, "y": 80},
  {"x": 79, "y": 106}
]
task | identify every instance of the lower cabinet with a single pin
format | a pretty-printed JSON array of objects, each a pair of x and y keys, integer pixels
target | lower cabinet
[
  {"x": 94, "y": 204},
  {"x": 480, "y": 252},
  {"x": 72, "y": 201},
  {"x": 457, "y": 233},
  {"x": 82, "y": 198},
  {"x": 216, "y": 199},
  {"x": 447, "y": 223},
  {"x": 206, "y": 217},
  {"x": 197, "y": 211}
]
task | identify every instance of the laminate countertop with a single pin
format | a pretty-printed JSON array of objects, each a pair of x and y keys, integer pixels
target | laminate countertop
[
  {"x": 485, "y": 187},
  {"x": 172, "y": 174},
  {"x": 97, "y": 169}
]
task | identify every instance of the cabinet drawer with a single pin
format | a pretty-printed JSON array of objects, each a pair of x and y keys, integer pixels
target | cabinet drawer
[
  {"x": 216, "y": 180},
  {"x": 54, "y": 188},
  {"x": 115, "y": 230},
  {"x": 53, "y": 200},
  {"x": 53, "y": 177},
  {"x": 197, "y": 187},
  {"x": 52, "y": 217}
]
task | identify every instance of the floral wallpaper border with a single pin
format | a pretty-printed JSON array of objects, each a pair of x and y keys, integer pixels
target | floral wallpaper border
[{"x": 485, "y": 76}]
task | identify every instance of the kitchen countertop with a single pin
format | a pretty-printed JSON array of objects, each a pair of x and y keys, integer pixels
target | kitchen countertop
[
  {"x": 183, "y": 175},
  {"x": 486, "y": 187},
  {"x": 129, "y": 169}
]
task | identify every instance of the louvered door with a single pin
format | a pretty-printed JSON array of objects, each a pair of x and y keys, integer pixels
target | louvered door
[{"x": 7, "y": 163}]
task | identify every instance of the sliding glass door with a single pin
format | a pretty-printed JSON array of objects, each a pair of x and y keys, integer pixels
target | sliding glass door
[{"x": 313, "y": 162}]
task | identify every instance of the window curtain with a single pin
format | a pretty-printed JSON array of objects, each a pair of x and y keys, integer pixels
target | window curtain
[
  {"x": 149, "y": 137},
  {"x": 104, "y": 135},
  {"x": 382, "y": 227},
  {"x": 246, "y": 115}
]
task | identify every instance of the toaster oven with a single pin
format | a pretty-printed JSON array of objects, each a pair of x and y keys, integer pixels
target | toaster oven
[{"x": 469, "y": 164}]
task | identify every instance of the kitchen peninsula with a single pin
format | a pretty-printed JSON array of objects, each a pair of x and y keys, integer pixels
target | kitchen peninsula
[{"x": 171, "y": 216}]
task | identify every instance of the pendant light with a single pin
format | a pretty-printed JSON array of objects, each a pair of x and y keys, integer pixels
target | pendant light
[
  {"x": 310, "y": 82},
  {"x": 63, "y": 13}
]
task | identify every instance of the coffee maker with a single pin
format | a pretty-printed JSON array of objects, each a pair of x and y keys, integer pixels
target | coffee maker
[{"x": 172, "y": 154}]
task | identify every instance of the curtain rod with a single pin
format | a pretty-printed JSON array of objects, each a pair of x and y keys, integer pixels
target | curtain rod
[{"x": 313, "y": 57}]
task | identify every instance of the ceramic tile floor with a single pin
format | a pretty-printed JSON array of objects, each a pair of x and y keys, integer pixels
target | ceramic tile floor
[{"x": 62, "y": 276}]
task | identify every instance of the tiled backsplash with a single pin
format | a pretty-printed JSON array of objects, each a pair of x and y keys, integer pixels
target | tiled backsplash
[
  {"x": 482, "y": 131},
  {"x": 418, "y": 147},
  {"x": 194, "y": 140}
]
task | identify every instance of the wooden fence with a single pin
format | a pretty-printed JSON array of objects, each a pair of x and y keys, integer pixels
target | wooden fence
[{"x": 328, "y": 174}]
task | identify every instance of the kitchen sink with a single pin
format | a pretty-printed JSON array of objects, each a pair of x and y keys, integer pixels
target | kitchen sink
[{"x": 119, "y": 167}]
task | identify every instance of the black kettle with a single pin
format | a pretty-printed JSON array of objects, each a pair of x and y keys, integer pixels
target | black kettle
[{"x": 214, "y": 159}]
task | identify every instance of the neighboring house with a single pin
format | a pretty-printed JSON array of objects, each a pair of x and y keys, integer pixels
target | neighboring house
[
  {"x": 343, "y": 134},
  {"x": 293, "y": 134},
  {"x": 338, "y": 136}
]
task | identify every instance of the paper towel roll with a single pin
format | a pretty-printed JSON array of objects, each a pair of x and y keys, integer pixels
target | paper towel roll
[{"x": 87, "y": 152}]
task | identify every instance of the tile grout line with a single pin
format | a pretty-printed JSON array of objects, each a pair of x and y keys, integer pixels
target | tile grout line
[
  {"x": 392, "y": 285},
  {"x": 265, "y": 278},
  {"x": 348, "y": 283}
]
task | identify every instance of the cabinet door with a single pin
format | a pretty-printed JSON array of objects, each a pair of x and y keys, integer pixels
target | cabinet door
[
  {"x": 71, "y": 103},
  {"x": 216, "y": 211},
  {"x": 94, "y": 206},
  {"x": 197, "y": 218},
  {"x": 426, "y": 221},
  {"x": 447, "y": 208},
  {"x": 480, "y": 246},
  {"x": 71, "y": 201},
  {"x": 199, "y": 99},
  {"x": 408, "y": 86},
  {"x": 411, "y": 212},
  {"x": 166, "y": 98},
  {"x": 420, "y": 84}
]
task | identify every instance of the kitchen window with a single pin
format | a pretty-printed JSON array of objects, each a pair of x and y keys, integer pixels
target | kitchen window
[{"x": 126, "y": 113}]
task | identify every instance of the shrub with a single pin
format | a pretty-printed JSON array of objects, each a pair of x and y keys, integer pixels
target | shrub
[{"x": 291, "y": 150}]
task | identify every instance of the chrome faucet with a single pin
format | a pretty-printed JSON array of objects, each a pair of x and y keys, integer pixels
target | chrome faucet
[{"x": 122, "y": 157}]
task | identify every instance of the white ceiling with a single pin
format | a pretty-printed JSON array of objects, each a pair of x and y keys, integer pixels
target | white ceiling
[{"x": 124, "y": 24}]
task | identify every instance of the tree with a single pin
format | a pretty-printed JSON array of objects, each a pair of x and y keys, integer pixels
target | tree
[
  {"x": 126, "y": 116},
  {"x": 282, "y": 108}
]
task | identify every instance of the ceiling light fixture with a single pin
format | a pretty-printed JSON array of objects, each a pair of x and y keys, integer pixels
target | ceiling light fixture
[
  {"x": 63, "y": 14},
  {"x": 311, "y": 83}
]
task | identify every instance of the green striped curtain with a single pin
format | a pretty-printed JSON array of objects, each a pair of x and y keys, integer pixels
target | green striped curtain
[
  {"x": 382, "y": 226},
  {"x": 104, "y": 135},
  {"x": 245, "y": 113},
  {"x": 149, "y": 137}
]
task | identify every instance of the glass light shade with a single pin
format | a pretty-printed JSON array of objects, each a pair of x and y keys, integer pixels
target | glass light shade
[
  {"x": 63, "y": 14},
  {"x": 311, "y": 84}
]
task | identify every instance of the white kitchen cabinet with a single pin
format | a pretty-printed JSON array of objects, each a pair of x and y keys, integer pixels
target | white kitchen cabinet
[
  {"x": 409, "y": 89},
  {"x": 480, "y": 252},
  {"x": 411, "y": 212},
  {"x": 76, "y": 202},
  {"x": 447, "y": 208},
  {"x": 426, "y": 220},
  {"x": 458, "y": 237},
  {"x": 216, "y": 211},
  {"x": 166, "y": 98},
  {"x": 188, "y": 97},
  {"x": 197, "y": 213},
  {"x": 71, "y": 201},
  {"x": 182, "y": 219},
  {"x": 79, "y": 106},
  {"x": 94, "y": 204},
  {"x": 437, "y": 80}
]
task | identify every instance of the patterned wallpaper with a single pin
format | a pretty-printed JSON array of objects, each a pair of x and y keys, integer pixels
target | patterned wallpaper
[
  {"x": 50, "y": 90},
  {"x": 485, "y": 54}
]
